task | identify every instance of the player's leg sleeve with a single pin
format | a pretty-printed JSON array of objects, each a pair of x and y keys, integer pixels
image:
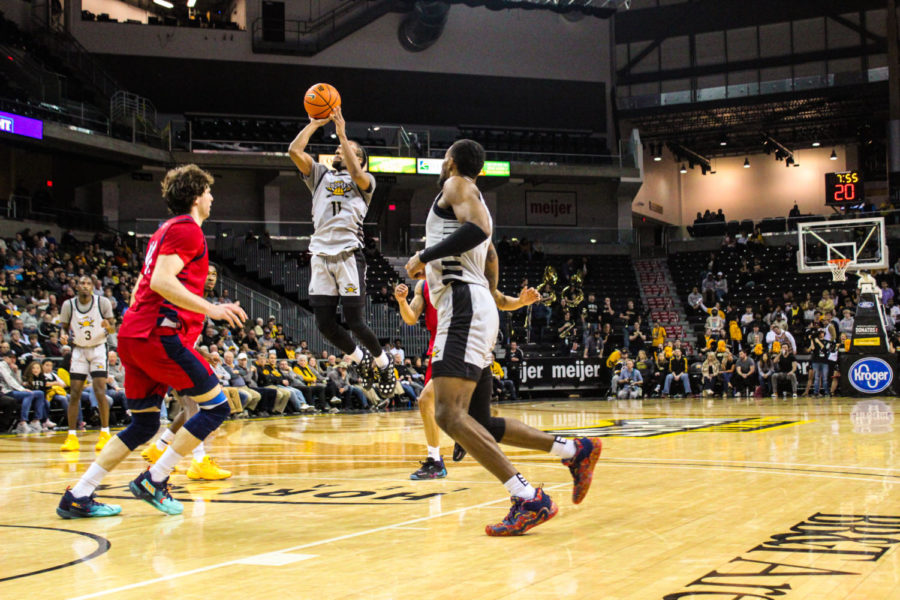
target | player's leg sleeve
[
  {"x": 480, "y": 406},
  {"x": 326, "y": 321},
  {"x": 357, "y": 324}
]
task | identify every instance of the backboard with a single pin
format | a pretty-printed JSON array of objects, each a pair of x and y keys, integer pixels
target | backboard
[{"x": 862, "y": 241}]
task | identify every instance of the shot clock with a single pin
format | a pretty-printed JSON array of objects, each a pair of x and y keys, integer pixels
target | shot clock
[{"x": 844, "y": 189}]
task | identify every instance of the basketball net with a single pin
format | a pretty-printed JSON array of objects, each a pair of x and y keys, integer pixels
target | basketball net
[{"x": 838, "y": 268}]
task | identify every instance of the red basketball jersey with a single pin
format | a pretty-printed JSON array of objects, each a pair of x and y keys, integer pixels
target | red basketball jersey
[
  {"x": 430, "y": 313},
  {"x": 182, "y": 236}
]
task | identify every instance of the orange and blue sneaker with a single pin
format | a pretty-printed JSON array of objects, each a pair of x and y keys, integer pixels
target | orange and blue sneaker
[
  {"x": 524, "y": 515},
  {"x": 587, "y": 453},
  {"x": 71, "y": 507},
  {"x": 155, "y": 494}
]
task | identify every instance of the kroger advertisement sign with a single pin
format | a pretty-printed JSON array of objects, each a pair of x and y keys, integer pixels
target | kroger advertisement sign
[{"x": 870, "y": 375}]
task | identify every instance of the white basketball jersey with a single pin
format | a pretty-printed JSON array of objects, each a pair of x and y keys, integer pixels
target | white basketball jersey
[
  {"x": 339, "y": 208},
  {"x": 468, "y": 267},
  {"x": 86, "y": 326}
]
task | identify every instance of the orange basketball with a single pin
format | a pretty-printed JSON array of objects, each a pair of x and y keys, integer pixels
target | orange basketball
[{"x": 320, "y": 100}]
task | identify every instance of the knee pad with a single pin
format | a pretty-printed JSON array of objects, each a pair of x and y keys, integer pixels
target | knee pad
[
  {"x": 143, "y": 427},
  {"x": 209, "y": 418},
  {"x": 497, "y": 428}
]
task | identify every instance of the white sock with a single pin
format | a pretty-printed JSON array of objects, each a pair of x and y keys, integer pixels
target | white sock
[
  {"x": 167, "y": 436},
  {"x": 519, "y": 487},
  {"x": 199, "y": 452},
  {"x": 434, "y": 452},
  {"x": 161, "y": 445},
  {"x": 163, "y": 467},
  {"x": 71, "y": 432},
  {"x": 563, "y": 448},
  {"x": 89, "y": 481},
  {"x": 104, "y": 429},
  {"x": 382, "y": 361},
  {"x": 357, "y": 355}
]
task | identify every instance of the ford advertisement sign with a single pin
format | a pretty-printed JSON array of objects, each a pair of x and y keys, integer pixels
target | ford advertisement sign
[{"x": 870, "y": 375}]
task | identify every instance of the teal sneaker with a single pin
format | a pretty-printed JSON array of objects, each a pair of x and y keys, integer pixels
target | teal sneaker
[
  {"x": 71, "y": 507},
  {"x": 155, "y": 494}
]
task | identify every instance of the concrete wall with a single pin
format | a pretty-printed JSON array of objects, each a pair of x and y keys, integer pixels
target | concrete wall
[{"x": 766, "y": 189}]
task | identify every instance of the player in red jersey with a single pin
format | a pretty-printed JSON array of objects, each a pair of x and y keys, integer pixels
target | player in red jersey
[
  {"x": 433, "y": 467},
  {"x": 156, "y": 348}
]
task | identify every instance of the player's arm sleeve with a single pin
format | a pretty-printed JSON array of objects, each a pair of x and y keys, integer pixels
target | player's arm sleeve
[
  {"x": 315, "y": 176},
  {"x": 185, "y": 240}
]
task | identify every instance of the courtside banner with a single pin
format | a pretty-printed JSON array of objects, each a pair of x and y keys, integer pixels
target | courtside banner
[
  {"x": 19, "y": 125},
  {"x": 560, "y": 373},
  {"x": 557, "y": 209},
  {"x": 868, "y": 375}
]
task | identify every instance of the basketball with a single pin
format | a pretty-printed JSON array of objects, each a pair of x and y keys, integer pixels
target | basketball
[{"x": 320, "y": 99}]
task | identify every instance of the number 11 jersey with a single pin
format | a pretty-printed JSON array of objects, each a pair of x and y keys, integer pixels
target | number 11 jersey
[{"x": 339, "y": 208}]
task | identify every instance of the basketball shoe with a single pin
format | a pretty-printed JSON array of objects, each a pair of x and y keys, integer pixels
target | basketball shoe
[
  {"x": 155, "y": 494},
  {"x": 459, "y": 452},
  {"x": 385, "y": 382},
  {"x": 151, "y": 453},
  {"x": 367, "y": 369},
  {"x": 105, "y": 436},
  {"x": 524, "y": 514},
  {"x": 587, "y": 453},
  {"x": 207, "y": 469},
  {"x": 71, "y": 444},
  {"x": 71, "y": 507},
  {"x": 430, "y": 469}
]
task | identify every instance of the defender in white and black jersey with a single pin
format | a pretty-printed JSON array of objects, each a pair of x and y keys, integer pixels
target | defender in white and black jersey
[
  {"x": 459, "y": 263},
  {"x": 90, "y": 319},
  {"x": 340, "y": 201}
]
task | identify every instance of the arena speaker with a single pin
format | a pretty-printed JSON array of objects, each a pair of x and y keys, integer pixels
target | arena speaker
[{"x": 423, "y": 25}]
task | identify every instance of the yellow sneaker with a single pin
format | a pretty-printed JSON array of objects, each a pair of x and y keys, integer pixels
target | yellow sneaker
[
  {"x": 151, "y": 453},
  {"x": 105, "y": 436},
  {"x": 71, "y": 444},
  {"x": 207, "y": 469}
]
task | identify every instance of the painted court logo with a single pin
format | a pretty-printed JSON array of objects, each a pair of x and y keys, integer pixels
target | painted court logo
[{"x": 871, "y": 375}]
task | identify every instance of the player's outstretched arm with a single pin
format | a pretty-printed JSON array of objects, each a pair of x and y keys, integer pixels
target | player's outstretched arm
[
  {"x": 357, "y": 173},
  {"x": 492, "y": 272},
  {"x": 297, "y": 149},
  {"x": 164, "y": 282},
  {"x": 410, "y": 311}
]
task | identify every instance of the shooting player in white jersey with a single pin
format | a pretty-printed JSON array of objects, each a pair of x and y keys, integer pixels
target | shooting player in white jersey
[
  {"x": 340, "y": 201},
  {"x": 457, "y": 250},
  {"x": 90, "y": 319}
]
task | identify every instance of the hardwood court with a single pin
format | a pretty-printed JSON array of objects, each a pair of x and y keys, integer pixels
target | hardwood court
[{"x": 789, "y": 499}]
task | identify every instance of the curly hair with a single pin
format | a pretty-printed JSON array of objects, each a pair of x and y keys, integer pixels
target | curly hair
[{"x": 182, "y": 185}]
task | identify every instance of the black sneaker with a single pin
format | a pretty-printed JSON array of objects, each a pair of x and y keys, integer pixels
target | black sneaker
[
  {"x": 430, "y": 469},
  {"x": 385, "y": 382},
  {"x": 366, "y": 369},
  {"x": 459, "y": 452}
]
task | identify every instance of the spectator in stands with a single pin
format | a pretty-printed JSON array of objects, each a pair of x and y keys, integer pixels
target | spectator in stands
[
  {"x": 782, "y": 337},
  {"x": 514, "y": 359},
  {"x": 715, "y": 325},
  {"x": 726, "y": 370},
  {"x": 826, "y": 304},
  {"x": 785, "y": 365},
  {"x": 887, "y": 294},
  {"x": 721, "y": 286},
  {"x": 11, "y": 385},
  {"x": 503, "y": 388},
  {"x": 247, "y": 371},
  {"x": 627, "y": 315},
  {"x": 745, "y": 377},
  {"x": 719, "y": 216},
  {"x": 607, "y": 312},
  {"x": 819, "y": 350},
  {"x": 34, "y": 381},
  {"x": 677, "y": 371},
  {"x": 635, "y": 338},
  {"x": 845, "y": 325},
  {"x": 351, "y": 396},
  {"x": 794, "y": 212},
  {"x": 249, "y": 398},
  {"x": 709, "y": 374},
  {"x": 314, "y": 383},
  {"x": 695, "y": 298},
  {"x": 404, "y": 376},
  {"x": 708, "y": 289},
  {"x": 629, "y": 381},
  {"x": 397, "y": 349},
  {"x": 594, "y": 346}
]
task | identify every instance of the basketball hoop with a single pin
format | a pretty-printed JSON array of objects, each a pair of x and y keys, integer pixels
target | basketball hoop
[{"x": 838, "y": 268}]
